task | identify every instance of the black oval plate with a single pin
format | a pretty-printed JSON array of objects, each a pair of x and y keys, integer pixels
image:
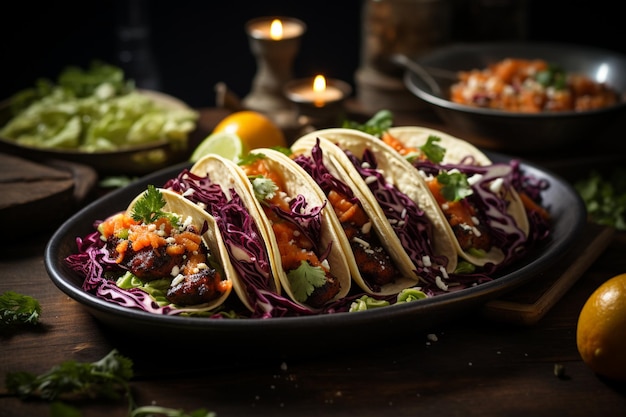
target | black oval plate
[{"x": 295, "y": 335}]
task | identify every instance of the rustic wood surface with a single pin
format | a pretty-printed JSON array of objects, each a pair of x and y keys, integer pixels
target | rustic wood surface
[{"x": 471, "y": 366}]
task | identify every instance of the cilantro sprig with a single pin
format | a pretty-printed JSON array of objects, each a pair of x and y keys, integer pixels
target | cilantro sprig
[
  {"x": 148, "y": 208},
  {"x": 432, "y": 150},
  {"x": 454, "y": 186},
  {"x": 376, "y": 125}
]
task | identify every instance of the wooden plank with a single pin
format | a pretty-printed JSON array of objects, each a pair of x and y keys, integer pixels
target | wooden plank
[{"x": 529, "y": 303}]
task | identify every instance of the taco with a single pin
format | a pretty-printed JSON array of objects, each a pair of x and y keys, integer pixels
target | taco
[
  {"x": 487, "y": 220},
  {"x": 301, "y": 239},
  {"x": 167, "y": 247},
  {"x": 378, "y": 263},
  {"x": 212, "y": 184},
  {"x": 393, "y": 198}
]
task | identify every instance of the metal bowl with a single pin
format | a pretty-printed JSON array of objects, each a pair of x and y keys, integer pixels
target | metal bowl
[{"x": 512, "y": 131}]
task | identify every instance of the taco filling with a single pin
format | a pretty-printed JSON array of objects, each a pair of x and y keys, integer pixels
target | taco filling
[
  {"x": 408, "y": 221},
  {"x": 473, "y": 199},
  {"x": 244, "y": 243},
  {"x": 297, "y": 229},
  {"x": 374, "y": 262},
  {"x": 162, "y": 254}
]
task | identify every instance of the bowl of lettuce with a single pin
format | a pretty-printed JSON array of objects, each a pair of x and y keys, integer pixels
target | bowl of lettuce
[{"x": 97, "y": 117}]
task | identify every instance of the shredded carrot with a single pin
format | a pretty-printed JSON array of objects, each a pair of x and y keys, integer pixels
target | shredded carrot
[
  {"x": 115, "y": 223},
  {"x": 293, "y": 246},
  {"x": 531, "y": 205},
  {"x": 347, "y": 211},
  {"x": 456, "y": 212},
  {"x": 392, "y": 141}
]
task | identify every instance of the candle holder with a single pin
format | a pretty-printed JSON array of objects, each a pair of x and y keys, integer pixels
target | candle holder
[
  {"x": 275, "y": 53},
  {"x": 320, "y": 108}
]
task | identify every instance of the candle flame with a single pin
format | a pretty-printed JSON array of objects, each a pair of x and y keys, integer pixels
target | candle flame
[
  {"x": 319, "y": 84},
  {"x": 276, "y": 30}
]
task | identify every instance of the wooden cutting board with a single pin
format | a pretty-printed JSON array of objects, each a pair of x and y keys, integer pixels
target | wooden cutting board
[
  {"x": 36, "y": 196},
  {"x": 529, "y": 303}
]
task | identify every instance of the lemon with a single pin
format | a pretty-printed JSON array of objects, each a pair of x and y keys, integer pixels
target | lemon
[
  {"x": 255, "y": 129},
  {"x": 601, "y": 329},
  {"x": 225, "y": 144}
]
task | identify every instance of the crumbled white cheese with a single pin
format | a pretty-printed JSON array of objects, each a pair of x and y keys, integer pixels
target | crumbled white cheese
[{"x": 440, "y": 283}]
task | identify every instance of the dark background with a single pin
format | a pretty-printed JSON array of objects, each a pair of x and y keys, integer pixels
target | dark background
[{"x": 196, "y": 44}]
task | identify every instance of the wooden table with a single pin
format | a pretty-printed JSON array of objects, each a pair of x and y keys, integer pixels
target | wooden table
[{"x": 471, "y": 366}]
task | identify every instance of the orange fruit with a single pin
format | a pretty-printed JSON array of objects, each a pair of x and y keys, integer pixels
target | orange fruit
[
  {"x": 255, "y": 129},
  {"x": 601, "y": 329}
]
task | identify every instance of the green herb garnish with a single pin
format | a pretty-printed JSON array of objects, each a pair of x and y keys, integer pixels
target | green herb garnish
[
  {"x": 147, "y": 209},
  {"x": 376, "y": 126},
  {"x": 455, "y": 186},
  {"x": 107, "y": 378},
  {"x": 553, "y": 76},
  {"x": 18, "y": 309},
  {"x": 305, "y": 279},
  {"x": 432, "y": 150},
  {"x": 264, "y": 188},
  {"x": 605, "y": 198}
]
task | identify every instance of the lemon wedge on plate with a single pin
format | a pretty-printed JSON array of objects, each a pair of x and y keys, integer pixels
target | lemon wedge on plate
[{"x": 225, "y": 144}]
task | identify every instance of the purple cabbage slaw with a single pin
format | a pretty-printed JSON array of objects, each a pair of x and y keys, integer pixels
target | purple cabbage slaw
[{"x": 492, "y": 208}]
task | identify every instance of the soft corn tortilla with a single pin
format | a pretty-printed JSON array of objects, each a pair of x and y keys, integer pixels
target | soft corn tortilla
[
  {"x": 456, "y": 151},
  {"x": 332, "y": 159},
  {"x": 175, "y": 203},
  {"x": 296, "y": 181},
  {"x": 225, "y": 173},
  {"x": 398, "y": 172}
]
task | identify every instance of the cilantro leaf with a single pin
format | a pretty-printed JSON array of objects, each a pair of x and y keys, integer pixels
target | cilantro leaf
[
  {"x": 553, "y": 76},
  {"x": 264, "y": 188},
  {"x": 376, "y": 126},
  {"x": 304, "y": 279},
  {"x": 432, "y": 150},
  {"x": 16, "y": 309},
  {"x": 455, "y": 186},
  {"x": 148, "y": 208}
]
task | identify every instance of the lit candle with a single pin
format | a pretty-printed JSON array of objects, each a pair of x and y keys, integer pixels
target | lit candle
[
  {"x": 319, "y": 92},
  {"x": 275, "y": 28}
]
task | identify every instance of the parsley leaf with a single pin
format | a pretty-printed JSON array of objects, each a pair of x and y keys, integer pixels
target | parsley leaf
[
  {"x": 304, "y": 279},
  {"x": 17, "y": 309},
  {"x": 455, "y": 186},
  {"x": 147, "y": 209}
]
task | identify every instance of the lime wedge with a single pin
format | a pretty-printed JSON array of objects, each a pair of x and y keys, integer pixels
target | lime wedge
[{"x": 224, "y": 144}]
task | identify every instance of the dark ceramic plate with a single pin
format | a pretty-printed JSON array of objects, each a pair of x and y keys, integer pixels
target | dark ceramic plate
[
  {"x": 510, "y": 131},
  {"x": 299, "y": 334}
]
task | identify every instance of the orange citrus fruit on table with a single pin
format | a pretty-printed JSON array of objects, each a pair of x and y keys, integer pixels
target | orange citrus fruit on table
[
  {"x": 601, "y": 329},
  {"x": 238, "y": 133},
  {"x": 255, "y": 129}
]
